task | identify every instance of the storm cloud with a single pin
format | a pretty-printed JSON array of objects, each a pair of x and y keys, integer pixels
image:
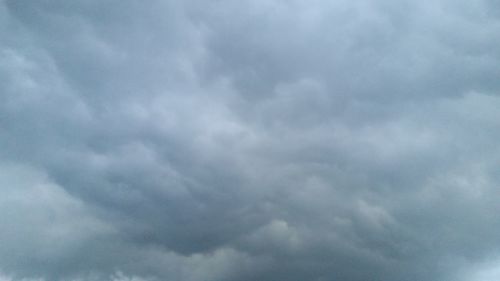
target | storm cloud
[{"x": 249, "y": 140}]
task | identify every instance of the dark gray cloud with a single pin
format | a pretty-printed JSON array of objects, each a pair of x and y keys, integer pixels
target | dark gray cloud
[{"x": 251, "y": 140}]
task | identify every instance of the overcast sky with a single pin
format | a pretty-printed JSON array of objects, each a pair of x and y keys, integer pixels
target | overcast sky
[{"x": 253, "y": 140}]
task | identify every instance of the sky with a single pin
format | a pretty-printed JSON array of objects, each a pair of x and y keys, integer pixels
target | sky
[{"x": 270, "y": 140}]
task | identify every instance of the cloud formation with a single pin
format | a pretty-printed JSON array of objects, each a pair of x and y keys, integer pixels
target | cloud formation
[{"x": 250, "y": 140}]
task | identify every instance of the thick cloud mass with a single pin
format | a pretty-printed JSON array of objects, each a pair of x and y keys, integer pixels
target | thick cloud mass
[{"x": 249, "y": 140}]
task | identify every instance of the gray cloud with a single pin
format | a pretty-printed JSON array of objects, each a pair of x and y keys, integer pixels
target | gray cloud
[{"x": 258, "y": 140}]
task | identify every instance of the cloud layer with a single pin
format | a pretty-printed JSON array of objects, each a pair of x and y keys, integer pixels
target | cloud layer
[{"x": 249, "y": 140}]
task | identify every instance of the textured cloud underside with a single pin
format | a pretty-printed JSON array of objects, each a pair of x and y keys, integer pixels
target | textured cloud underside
[{"x": 249, "y": 140}]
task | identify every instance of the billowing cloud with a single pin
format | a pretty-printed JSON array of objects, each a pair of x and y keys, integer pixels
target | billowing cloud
[{"x": 250, "y": 140}]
